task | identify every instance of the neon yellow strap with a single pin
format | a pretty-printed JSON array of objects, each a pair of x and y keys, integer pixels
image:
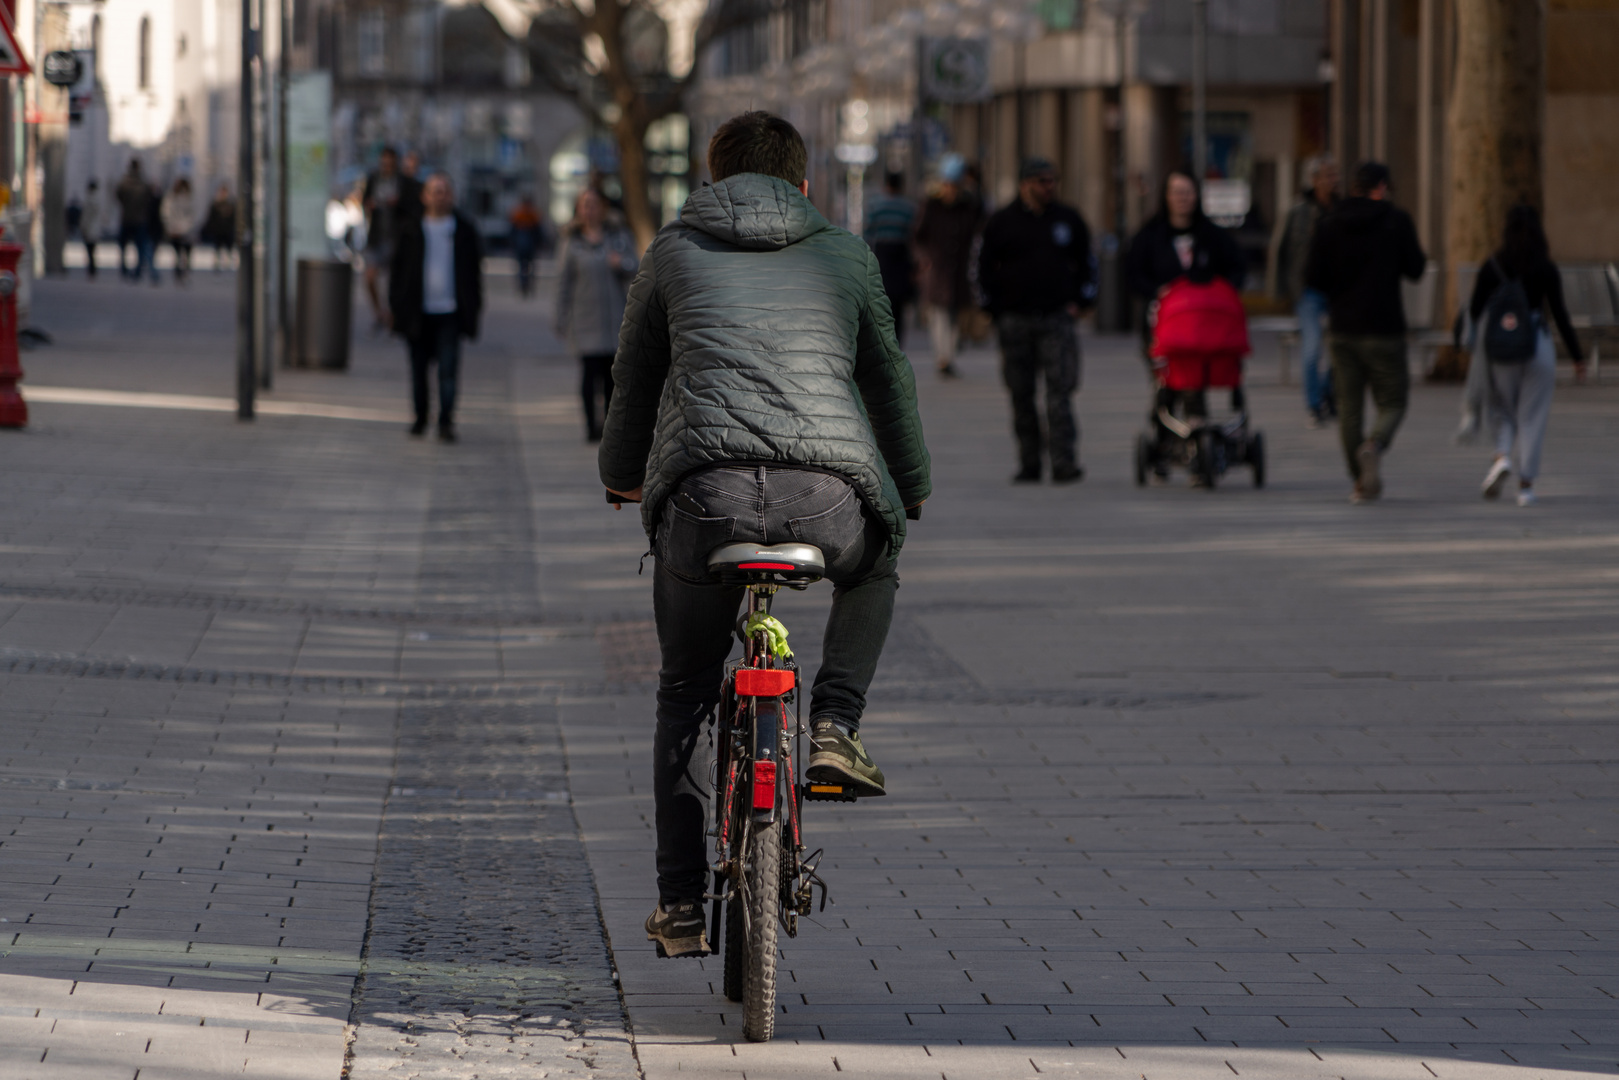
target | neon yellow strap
[{"x": 770, "y": 625}]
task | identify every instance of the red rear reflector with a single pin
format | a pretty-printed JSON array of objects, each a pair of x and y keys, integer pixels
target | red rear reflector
[
  {"x": 763, "y": 682},
  {"x": 764, "y": 785},
  {"x": 766, "y": 566}
]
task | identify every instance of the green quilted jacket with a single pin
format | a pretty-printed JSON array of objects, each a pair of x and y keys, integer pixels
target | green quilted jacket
[{"x": 756, "y": 332}]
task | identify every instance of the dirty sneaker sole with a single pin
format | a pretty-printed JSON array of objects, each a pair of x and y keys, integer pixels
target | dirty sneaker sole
[
  {"x": 677, "y": 947},
  {"x": 680, "y": 943}
]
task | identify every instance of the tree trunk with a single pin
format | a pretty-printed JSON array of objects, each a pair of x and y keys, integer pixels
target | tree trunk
[
  {"x": 1496, "y": 109},
  {"x": 630, "y": 134}
]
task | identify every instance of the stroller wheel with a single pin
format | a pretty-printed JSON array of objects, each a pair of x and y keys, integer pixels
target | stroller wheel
[
  {"x": 1256, "y": 457},
  {"x": 1143, "y": 458}
]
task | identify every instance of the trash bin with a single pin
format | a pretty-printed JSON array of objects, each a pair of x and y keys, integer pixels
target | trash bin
[{"x": 324, "y": 310}]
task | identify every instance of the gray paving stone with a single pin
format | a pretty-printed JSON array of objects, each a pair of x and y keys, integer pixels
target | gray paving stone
[
  {"x": 1342, "y": 768},
  {"x": 1207, "y": 798}
]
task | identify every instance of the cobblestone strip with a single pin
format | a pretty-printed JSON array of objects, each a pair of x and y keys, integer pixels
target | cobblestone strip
[
  {"x": 486, "y": 955},
  {"x": 485, "y": 951}
]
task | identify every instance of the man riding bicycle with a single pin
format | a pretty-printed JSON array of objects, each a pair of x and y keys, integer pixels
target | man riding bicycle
[{"x": 759, "y": 396}]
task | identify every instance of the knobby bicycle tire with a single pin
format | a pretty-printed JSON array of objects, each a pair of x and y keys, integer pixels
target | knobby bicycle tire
[{"x": 763, "y": 898}]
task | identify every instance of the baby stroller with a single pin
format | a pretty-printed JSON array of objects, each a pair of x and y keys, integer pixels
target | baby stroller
[{"x": 1200, "y": 335}]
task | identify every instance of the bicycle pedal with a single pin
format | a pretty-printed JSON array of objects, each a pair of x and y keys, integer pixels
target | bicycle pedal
[
  {"x": 690, "y": 954},
  {"x": 829, "y": 793}
]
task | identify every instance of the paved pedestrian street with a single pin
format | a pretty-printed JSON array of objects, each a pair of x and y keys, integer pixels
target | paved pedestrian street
[{"x": 327, "y": 750}]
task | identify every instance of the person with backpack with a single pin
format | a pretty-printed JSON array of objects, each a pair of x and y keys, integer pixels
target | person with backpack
[
  {"x": 1511, "y": 292},
  {"x": 1360, "y": 252}
]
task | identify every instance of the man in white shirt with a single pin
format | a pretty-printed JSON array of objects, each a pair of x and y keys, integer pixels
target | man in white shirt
[{"x": 435, "y": 296}]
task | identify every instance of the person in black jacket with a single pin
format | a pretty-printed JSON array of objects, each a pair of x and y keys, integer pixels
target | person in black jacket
[
  {"x": 1034, "y": 269},
  {"x": 1521, "y": 392},
  {"x": 1180, "y": 241},
  {"x": 435, "y": 296},
  {"x": 1360, "y": 252}
]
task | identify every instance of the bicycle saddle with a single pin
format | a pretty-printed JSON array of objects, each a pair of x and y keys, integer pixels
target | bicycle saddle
[{"x": 748, "y": 564}]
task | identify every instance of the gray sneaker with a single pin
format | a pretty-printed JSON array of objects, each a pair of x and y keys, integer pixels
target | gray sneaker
[
  {"x": 678, "y": 930},
  {"x": 836, "y": 758}
]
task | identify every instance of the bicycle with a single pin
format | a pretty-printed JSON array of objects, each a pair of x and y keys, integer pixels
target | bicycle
[{"x": 760, "y": 889}]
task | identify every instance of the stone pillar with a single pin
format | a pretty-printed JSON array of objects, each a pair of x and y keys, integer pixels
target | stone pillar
[
  {"x": 1084, "y": 164},
  {"x": 1003, "y": 183},
  {"x": 1151, "y": 147}
]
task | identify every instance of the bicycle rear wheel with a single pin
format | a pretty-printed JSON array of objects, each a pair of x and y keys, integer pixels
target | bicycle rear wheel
[{"x": 762, "y": 868}]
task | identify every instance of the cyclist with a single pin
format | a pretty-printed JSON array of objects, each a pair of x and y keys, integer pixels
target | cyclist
[{"x": 759, "y": 395}]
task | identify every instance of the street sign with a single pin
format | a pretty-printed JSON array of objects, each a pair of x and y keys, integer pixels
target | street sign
[
  {"x": 82, "y": 94},
  {"x": 1227, "y": 202},
  {"x": 955, "y": 70},
  {"x": 12, "y": 61},
  {"x": 856, "y": 153},
  {"x": 62, "y": 68}
]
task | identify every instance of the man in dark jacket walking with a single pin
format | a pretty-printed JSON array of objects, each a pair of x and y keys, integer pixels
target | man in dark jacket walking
[
  {"x": 435, "y": 296},
  {"x": 759, "y": 395},
  {"x": 1319, "y": 200},
  {"x": 1360, "y": 252},
  {"x": 1034, "y": 269},
  {"x": 135, "y": 222}
]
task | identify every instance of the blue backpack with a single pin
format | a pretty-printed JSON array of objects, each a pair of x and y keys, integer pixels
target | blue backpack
[{"x": 1510, "y": 324}]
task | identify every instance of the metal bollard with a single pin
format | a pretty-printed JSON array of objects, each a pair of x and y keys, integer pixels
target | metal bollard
[{"x": 13, "y": 410}]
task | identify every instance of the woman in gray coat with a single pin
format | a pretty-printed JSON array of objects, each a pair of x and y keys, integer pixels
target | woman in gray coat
[{"x": 597, "y": 262}]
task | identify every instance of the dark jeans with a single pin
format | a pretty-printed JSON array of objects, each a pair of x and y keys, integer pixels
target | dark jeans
[
  {"x": 894, "y": 264},
  {"x": 438, "y": 342},
  {"x": 1374, "y": 362},
  {"x": 596, "y": 370},
  {"x": 140, "y": 238},
  {"x": 697, "y": 625},
  {"x": 1032, "y": 347},
  {"x": 523, "y": 250},
  {"x": 182, "y": 257},
  {"x": 90, "y": 257}
]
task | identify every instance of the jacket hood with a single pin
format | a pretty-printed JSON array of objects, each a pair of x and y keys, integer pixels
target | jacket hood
[
  {"x": 754, "y": 212},
  {"x": 1362, "y": 215}
]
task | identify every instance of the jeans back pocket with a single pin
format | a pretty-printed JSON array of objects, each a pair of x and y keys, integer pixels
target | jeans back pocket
[
  {"x": 684, "y": 541},
  {"x": 834, "y": 529}
]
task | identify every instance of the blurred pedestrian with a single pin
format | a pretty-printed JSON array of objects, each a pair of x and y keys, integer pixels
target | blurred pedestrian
[
  {"x": 435, "y": 297},
  {"x": 1360, "y": 252},
  {"x": 1034, "y": 269},
  {"x": 72, "y": 214},
  {"x": 526, "y": 233},
  {"x": 1180, "y": 241},
  {"x": 90, "y": 225},
  {"x": 134, "y": 223},
  {"x": 1319, "y": 199},
  {"x": 383, "y": 198},
  {"x": 890, "y": 221},
  {"x": 410, "y": 185},
  {"x": 597, "y": 262},
  {"x": 154, "y": 227},
  {"x": 178, "y": 217},
  {"x": 944, "y": 241},
  {"x": 219, "y": 228},
  {"x": 1512, "y": 291}
]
